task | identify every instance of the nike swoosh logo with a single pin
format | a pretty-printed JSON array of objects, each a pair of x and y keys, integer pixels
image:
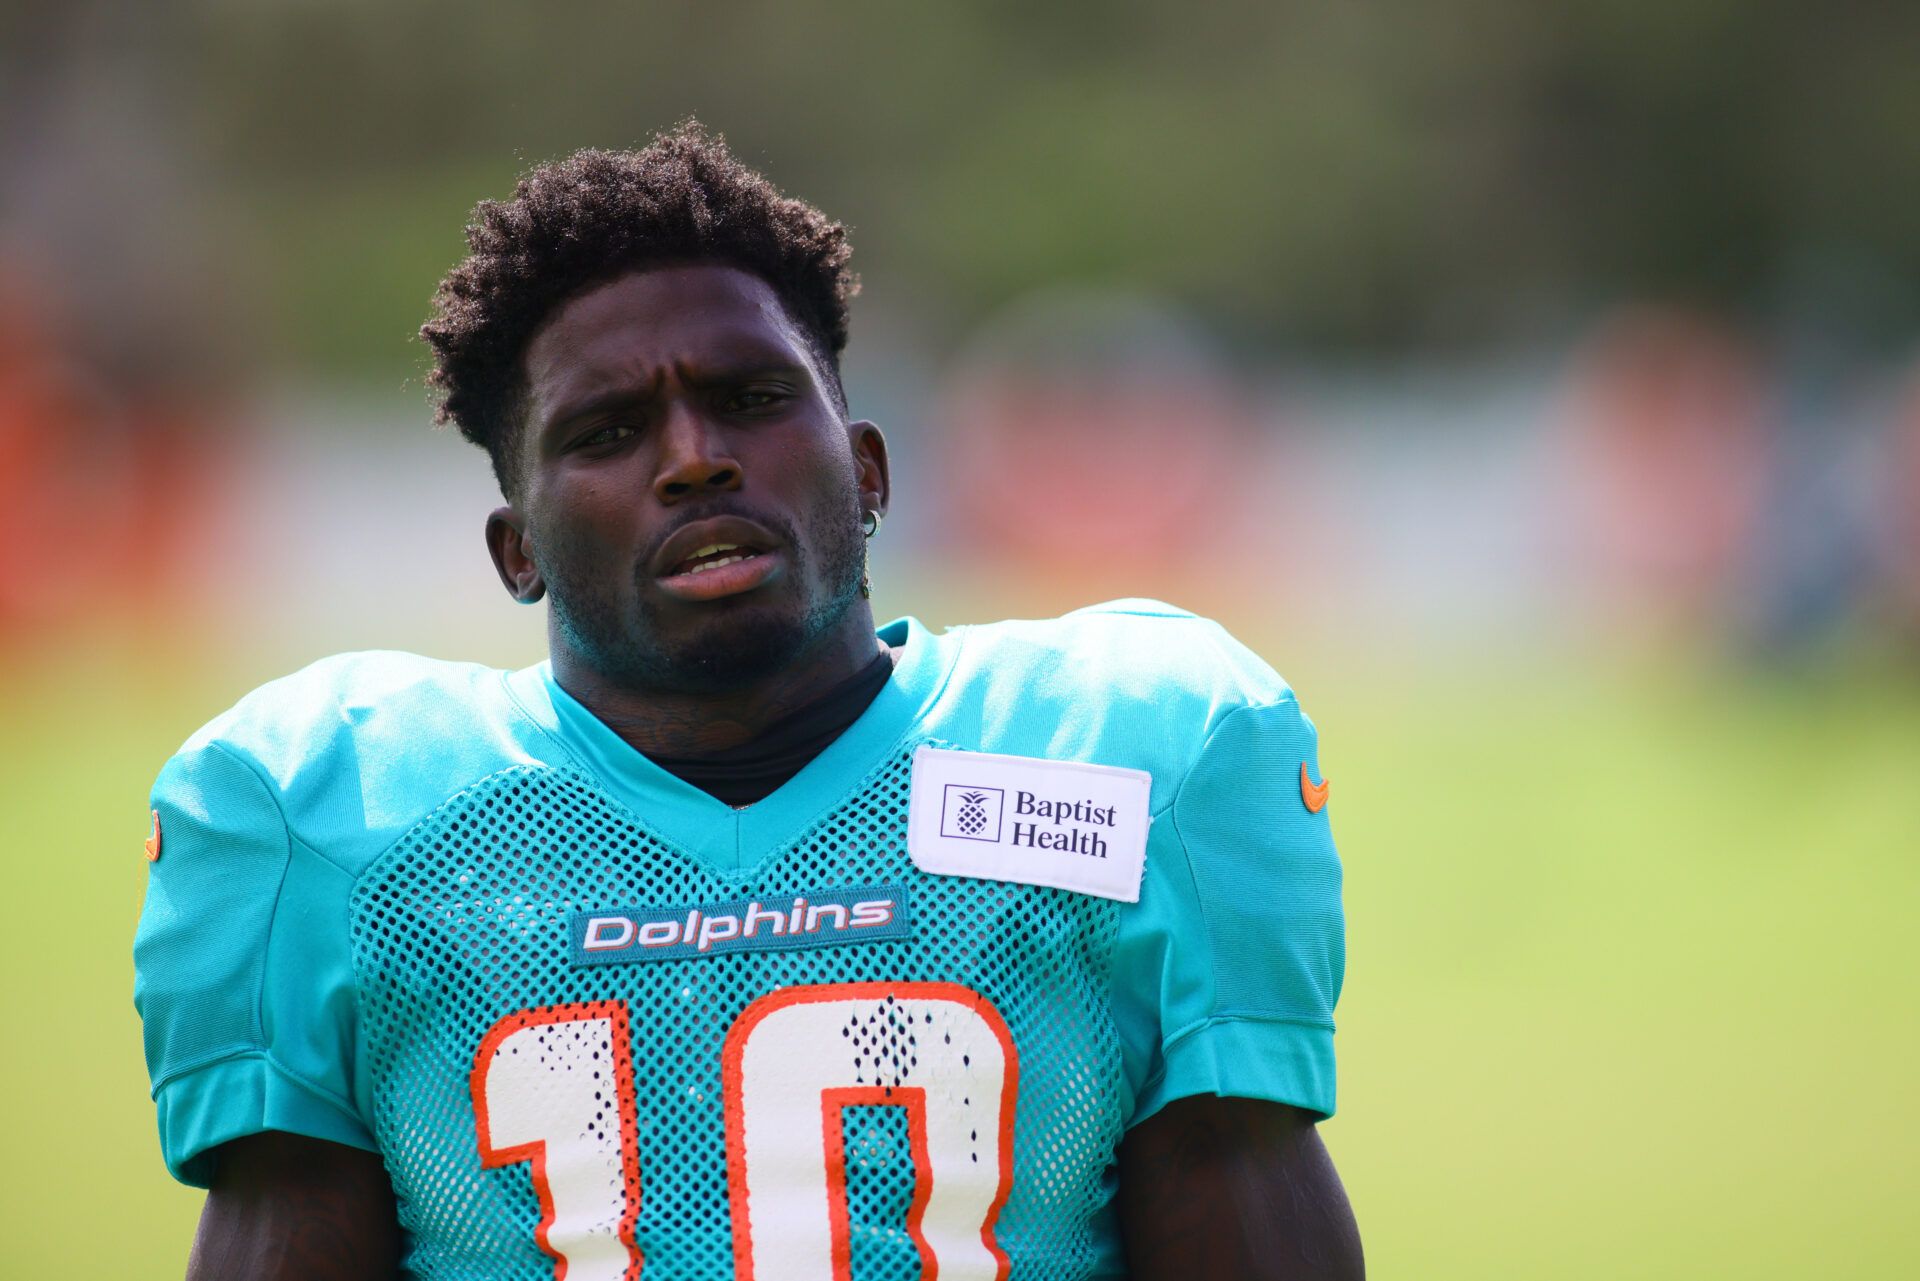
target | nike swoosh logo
[
  {"x": 153, "y": 840},
  {"x": 1313, "y": 795}
]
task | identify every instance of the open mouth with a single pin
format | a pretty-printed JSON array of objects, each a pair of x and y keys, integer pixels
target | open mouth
[
  {"x": 711, "y": 557},
  {"x": 720, "y": 556}
]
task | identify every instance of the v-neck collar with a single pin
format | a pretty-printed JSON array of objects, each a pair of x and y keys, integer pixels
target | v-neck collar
[{"x": 736, "y": 840}]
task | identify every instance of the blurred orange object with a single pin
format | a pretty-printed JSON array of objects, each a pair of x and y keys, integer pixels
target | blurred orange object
[
  {"x": 97, "y": 485},
  {"x": 1667, "y": 411},
  {"x": 1091, "y": 438}
]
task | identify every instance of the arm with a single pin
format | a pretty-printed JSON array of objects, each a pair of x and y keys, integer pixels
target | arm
[
  {"x": 1217, "y": 1189},
  {"x": 288, "y": 1208}
]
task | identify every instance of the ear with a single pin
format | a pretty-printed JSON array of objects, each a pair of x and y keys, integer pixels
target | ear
[
  {"x": 512, "y": 558},
  {"x": 870, "y": 465}
]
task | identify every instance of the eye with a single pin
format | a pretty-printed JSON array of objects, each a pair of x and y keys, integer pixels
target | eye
[
  {"x": 753, "y": 398},
  {"x": 600, "y": 437}
]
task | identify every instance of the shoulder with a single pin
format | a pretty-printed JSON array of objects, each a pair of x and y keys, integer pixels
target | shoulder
[
  {"x": 354, "y": 748},
  {"x": 1126, "y": 651},
  {"x": 355, "y": 694},
  {"x": 1127, "y": 682}
]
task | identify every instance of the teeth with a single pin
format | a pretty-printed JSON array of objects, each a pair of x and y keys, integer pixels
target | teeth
[{"x": 696, "y": 564}]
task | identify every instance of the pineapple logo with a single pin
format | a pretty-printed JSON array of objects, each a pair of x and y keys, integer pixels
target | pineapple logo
[{"x": 972, "y": 813}]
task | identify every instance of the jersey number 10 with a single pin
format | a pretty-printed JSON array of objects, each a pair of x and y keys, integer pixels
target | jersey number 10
[{"x": 554, "y": 1087}]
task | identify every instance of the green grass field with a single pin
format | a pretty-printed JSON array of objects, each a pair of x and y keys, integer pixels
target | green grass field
[{"x": 1631, "y": 989}]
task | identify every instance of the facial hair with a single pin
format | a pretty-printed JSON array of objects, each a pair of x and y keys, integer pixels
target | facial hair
[{"x": 625, "y": 643}]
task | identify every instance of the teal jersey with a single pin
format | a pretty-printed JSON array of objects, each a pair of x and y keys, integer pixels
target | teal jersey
[{"x": 890, "y": 1021}]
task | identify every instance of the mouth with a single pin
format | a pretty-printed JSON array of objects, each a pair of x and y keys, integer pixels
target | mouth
[
  {"x": 709, "y": 559},
  {"x": 713, "y": 556}
]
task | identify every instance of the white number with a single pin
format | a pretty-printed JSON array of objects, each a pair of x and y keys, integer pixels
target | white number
[
  {"x": 792, "y": 1061},
  {"x": 795, "y": 1058},
  {"x": 554, "y": 1087}
]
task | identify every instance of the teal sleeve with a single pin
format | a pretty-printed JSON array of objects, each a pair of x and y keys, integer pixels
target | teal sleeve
[
  {"x": 1228, "y": 968},
  {"x": 242, "y": 975}
]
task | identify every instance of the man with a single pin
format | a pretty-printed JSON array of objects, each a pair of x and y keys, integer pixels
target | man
[{"x": 738, "y": 940}]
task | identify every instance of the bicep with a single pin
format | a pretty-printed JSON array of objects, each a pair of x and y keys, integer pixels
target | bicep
[
  {"x": 288, "y": 1208},
  {"x": 1213, "y": 1189}
]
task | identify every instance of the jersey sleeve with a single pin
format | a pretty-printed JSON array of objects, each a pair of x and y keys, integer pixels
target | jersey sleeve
[
  {"x": 242, "y": 975},
  {"x": 1228, "y": 968}
]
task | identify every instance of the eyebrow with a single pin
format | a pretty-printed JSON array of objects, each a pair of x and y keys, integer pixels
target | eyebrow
[
  {"x": 621, "y": 398},
  {"x": 750, "y": 367},
  {"x": 717, "y": 375}
]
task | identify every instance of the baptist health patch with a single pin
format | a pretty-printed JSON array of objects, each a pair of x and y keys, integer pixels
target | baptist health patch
[
  {"x": 1066, "y": 824},
  {"x": 818, "y": 918}
]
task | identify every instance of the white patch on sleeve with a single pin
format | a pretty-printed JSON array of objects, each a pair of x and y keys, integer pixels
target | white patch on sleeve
[{"x": 1066, "y": 824}]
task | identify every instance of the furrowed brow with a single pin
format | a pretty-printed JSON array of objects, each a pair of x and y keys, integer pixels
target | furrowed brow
[
  {"x": 740, "y": 371},
  {"x": 603, "y": 402}
]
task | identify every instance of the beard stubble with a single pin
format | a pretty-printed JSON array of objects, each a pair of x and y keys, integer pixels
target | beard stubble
[{"x": 744, "y": 642}]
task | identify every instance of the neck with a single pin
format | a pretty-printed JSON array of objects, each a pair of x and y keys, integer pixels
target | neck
[{"x": 657, "y": 722}]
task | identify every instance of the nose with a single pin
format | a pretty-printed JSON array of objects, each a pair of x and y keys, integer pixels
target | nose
[{"x": 694, "y": 457}]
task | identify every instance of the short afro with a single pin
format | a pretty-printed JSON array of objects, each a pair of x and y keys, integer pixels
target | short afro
[{"x": 582, "y": 221}]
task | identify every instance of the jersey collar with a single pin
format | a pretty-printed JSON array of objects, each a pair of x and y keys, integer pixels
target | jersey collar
[{"x": 715, "y": 833}]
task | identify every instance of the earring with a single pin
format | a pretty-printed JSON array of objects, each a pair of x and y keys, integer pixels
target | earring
[{"x": 870, "y": 525}]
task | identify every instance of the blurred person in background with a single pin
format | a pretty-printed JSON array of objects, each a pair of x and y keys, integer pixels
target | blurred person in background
[
  {"x": 99, "y": 479},
  {"x": 1899, "y": 511},
  {"x": 1668, "y": 450},
  {"x": 1091, "y": 437},
  {"x": 741, "y": 938},
  {"x": 115, "y": 327}
]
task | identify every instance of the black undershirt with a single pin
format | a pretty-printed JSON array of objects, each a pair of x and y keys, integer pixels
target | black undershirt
[{"x": 751, "y": 771}]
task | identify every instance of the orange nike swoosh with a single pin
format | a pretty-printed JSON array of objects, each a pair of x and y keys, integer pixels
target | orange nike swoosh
[
  {"x": 1313, "y": 795},
  {"x": 153, "y": 841}
]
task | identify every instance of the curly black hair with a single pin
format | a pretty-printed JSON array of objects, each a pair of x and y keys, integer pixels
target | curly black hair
[{"x": 579, "y": 222}]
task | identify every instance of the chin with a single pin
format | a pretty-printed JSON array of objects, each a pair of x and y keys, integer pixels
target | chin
[
  {"x": 740, "y": 646},
  {"x": 645, "y": 643}
]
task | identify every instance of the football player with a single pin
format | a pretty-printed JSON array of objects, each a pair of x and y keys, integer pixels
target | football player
[{"x": 739, "y": 939}]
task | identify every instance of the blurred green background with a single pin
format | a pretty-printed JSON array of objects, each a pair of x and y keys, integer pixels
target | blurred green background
[{"x": 1536, "y": 389}]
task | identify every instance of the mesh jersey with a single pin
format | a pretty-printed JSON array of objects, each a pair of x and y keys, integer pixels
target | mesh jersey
[{"x": 364, "y": 928}]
